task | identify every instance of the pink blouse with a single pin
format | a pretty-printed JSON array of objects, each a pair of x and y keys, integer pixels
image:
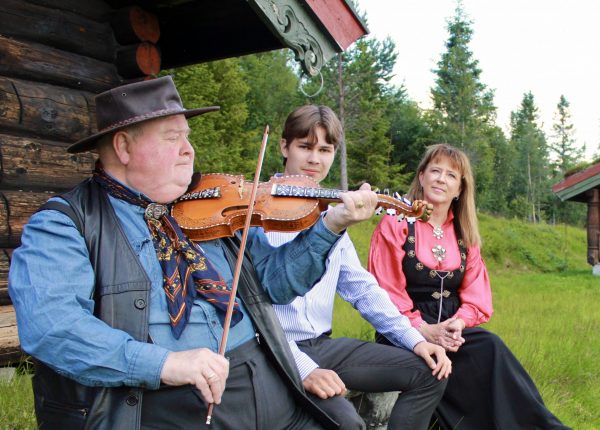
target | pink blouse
[{"x": 385, "y": 263}]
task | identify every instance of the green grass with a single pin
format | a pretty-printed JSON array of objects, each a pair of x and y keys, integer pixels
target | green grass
[
  {"x": 16, "y": 404},
  {"x": 545, "y": 310}
]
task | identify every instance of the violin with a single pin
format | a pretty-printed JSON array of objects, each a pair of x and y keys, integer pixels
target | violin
[{"x": 217, "y": 205}]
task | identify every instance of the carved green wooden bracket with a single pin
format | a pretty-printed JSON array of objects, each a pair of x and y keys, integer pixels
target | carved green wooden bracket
[{"x": 299, "y": 30}]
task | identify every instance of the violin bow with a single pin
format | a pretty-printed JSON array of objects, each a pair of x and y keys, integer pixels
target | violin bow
[{"x": 240, "y": 258}]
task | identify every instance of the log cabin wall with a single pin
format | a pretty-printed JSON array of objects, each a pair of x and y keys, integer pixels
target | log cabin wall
[{"x": 55, "y": 55}]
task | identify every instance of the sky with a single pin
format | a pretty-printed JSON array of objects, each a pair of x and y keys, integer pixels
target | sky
[{"x": 548, "y": 47}]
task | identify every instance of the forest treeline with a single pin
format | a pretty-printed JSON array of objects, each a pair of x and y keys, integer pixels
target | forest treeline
[{"x": 385, "y": 131}]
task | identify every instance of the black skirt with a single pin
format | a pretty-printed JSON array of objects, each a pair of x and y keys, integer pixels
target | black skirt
[{"x": 490, "y": 390}]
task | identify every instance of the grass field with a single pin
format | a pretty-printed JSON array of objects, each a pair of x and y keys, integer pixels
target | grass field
[{"x": 545, "y": 309}]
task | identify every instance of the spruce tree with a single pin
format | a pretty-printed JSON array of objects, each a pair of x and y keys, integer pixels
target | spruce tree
[
  {"x": 531, "y": 178},
  {"x": 463, "y": 110},
  {"x": 563, "y": 145},
  {"x": 565, "y": 156}
]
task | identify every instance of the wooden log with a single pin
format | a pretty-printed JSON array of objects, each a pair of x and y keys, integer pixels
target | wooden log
[
  {"x": 57, "y": 28},
  {"x": 133, "y": 25},
  {"x": 35, "y": 164},
  {"x": 53, "y": 66},
  {"x": 5, "y": 256},
  {"x": 15, "y": 209},
  {"x": 9, "y": 337},
  {"x": 135, "y": 61},
  {"x": 45, "y": 111},
  {"x": 97, "y": 10}
]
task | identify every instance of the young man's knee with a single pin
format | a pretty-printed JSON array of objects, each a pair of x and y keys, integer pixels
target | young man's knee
[{"x": 351, "y": 422}]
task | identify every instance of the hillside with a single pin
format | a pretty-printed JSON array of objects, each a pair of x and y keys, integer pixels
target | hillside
[{"x": 512, "y": 244}]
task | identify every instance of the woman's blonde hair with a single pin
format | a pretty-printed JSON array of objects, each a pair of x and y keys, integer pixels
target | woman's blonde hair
[{"x": 465, "y": 215}]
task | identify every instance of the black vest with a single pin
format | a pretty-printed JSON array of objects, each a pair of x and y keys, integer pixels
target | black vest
[
  {"x": 433, "y": 292},
  {"x": 121, "y": 295}
]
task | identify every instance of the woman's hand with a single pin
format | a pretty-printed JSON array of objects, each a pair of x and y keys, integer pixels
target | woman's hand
[
  {"x": 455, "y": 327},
  {"x": 447, "y": 334}
]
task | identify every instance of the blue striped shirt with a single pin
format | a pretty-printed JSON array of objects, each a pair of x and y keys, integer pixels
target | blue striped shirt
[{"x": 310, "y": 316}]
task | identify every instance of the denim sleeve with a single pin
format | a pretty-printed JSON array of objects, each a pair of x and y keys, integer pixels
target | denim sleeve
[
  {"x": 51, "y": 285},
  {"x": 292, "y": 269}
]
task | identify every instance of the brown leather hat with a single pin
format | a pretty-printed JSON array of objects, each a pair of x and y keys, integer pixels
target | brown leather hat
[{"x": 134, "y": 103}]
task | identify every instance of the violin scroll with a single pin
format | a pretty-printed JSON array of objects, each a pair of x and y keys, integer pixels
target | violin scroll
[{"x": 403, "y": 207}]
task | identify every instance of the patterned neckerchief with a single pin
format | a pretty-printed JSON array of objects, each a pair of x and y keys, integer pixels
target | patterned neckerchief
[{"x": 186, "y": 270}]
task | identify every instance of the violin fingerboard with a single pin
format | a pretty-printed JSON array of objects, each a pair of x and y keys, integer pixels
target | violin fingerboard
[
  {"x": 281, "y": 190},
  {"x": 208, "y": 193}
]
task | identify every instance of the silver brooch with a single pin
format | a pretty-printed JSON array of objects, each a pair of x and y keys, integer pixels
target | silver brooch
[
  {"x": 155, "y": 211},
  {"x": 439, "y": 252},
  {"x": 438, "y": 233}
]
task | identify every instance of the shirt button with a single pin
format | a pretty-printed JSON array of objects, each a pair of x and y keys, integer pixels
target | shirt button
[
  {"x": 214, "y": 323},
  {"x": 132, "y": 400},
  {"x": 140, "y": 303}
]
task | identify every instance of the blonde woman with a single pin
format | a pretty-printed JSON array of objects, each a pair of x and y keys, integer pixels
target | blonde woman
[{"x": 434, "y": 274}]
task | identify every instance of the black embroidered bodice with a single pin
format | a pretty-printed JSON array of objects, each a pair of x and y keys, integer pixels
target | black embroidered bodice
[{"x": 434, "y": 292}]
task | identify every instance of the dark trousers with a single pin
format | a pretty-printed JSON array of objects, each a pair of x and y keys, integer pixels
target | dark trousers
[
  {"x": 372, "y": 367},
  {"x": 255, "y": 398}
]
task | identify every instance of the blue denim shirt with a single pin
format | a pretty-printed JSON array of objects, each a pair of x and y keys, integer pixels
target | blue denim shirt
[{"x": 51, "y": 285}]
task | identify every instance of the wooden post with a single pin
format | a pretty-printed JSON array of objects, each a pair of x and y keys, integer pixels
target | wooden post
[{"x": 593, "y": 228}]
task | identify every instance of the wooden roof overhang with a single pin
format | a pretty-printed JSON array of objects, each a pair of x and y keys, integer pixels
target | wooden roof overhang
[
  {"x": 196, "y": 31},
  {"x": 575, "y": 186}
]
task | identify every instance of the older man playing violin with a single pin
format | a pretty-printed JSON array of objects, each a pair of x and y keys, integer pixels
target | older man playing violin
[
  {"x": 124, "y": 314},
  {"x": 329, "y": 366}
]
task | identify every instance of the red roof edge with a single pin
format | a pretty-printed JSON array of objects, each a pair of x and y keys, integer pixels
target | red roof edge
[
  {"x": 340, "y": 20},
  {"x": 576, "y": 178}
]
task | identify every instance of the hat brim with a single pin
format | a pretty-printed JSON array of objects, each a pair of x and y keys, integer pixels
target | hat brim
[{"x": 89, "y": 142}]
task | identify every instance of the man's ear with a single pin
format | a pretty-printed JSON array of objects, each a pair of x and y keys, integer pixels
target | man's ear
[
  {"x": 120, "y": 143},
  {"x": 283, "y": 148}
]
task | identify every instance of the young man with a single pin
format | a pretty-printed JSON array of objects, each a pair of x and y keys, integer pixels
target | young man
[
  {"x": 123, "y": 313},
  {"x": 329, "y": 366}
]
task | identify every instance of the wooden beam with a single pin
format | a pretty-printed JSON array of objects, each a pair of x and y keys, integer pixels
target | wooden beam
[
  {"x": 28, "y": 60},
  {"x": 15, "y": 209},
  {"x": 57, "y": 28},
  {"x": 97, "y": 10},
  {"x": 135, "y": 61},
  {"x": 40, "y": 110},
  {"x": 5, "y": 256},
  {"x": 134, "y": 24},
  {"x": 35, "y": 164},
  {"x": 339, "y": 20},
  {"x": 9, "y": 339}
]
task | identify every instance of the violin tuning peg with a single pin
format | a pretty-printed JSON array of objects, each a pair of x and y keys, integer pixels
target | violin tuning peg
[
  {"x": 391, "y": 212},
  {"x": 400, "y": 217},
  {"x": 397, "y": 196},
  {"x": 375, "y": 190},
  {"x": 379, "y": 211},
  {"x": 386, "y": 191}
]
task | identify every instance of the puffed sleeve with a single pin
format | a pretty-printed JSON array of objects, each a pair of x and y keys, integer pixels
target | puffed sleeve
[
  {"x": 475, "y": 292},
  {"x": 385, "y": 263}
]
